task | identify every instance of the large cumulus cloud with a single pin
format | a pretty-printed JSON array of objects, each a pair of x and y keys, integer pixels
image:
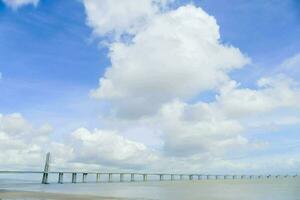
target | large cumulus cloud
[{"x": 177, "y": 56}]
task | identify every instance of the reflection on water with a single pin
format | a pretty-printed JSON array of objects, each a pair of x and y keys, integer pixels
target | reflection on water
[{"x": 272, "y": 189}]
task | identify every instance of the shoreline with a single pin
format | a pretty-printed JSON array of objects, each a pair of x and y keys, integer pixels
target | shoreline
[{"x": 15, "y": 194}]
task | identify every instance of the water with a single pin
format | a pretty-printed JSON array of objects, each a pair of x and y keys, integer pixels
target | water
[{"x": 268, "y": 189}]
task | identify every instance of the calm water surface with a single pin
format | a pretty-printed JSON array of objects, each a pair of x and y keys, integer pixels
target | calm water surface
[{"x": 273, "y": 189}]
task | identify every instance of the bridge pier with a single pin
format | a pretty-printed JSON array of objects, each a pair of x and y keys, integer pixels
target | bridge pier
[
  {"x": 181, "y": 177},
  {"x": 84, "y": 175},
  {"x": 161, "y": 177},
  {"x": 98, "y": 177},
  {"x": 199, "y": 177},
  {"x": 132, "y": 177},
  {"x": 74, "y": 177},
  {"x": 45, "y": 178},
  {"x": 145, "y": 177},
  {"x": 172, "y": 177},
  {"x": 110, "y": 177},
  {"x": 190, "y": 177},
  {"x": 121, "y": 177},
  {"x": 60, "y": 178}
]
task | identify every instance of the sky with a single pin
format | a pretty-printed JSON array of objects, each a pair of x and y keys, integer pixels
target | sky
[{"x": 206, "y": 86}]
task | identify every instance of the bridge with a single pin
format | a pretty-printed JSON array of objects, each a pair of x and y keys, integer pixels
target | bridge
[{"x": 132, "y": 177}]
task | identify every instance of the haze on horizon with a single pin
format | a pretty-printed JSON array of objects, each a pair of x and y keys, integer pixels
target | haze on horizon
[{"x": 150, "y": 85}]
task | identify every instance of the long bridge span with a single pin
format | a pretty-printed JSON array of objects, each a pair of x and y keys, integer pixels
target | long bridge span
[{"x": 96, "y": 177}]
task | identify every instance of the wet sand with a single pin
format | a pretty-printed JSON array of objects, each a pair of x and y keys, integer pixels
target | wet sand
[{"x": 18, "y": 195}]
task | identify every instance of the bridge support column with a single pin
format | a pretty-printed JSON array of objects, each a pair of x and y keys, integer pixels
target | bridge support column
[
  {"x": 74, "y": 177},
  {"x": 121, "y": 177},
  {"x": 110, "y": 177},
  {"x": 181, "y": 177},
  {"x": 145, "y": 177},
  {"x": 60, "y": 178},
  {"x": 132, "y": 177},
  {"x": 84, "y": 175},
  {"x": 207, "y": 177},
  {"x": 97, "y": 178},
  {"x": 45, "y": 178},
  {"x": 191, "y": 177},
  {"x": 172, "y": 177},
  {"x": 161, "y": 177}
]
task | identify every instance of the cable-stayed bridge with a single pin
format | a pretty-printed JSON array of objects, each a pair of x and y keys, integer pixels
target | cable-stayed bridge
[{"x": 97, "y": 177}]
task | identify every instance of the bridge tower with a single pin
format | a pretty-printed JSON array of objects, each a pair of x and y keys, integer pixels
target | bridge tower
[{"x": 46, "y": 169}]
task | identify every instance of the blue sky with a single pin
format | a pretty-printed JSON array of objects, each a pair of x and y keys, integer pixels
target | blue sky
[{"x": 50, "y": 60}]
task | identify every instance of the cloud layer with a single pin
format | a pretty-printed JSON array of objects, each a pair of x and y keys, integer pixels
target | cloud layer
[
  {"x": 25, "y": 145},
  {"x": 166, "y": 63}
]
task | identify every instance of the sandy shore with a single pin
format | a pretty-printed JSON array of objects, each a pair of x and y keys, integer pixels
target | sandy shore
[{"x": 5, "y": 194}]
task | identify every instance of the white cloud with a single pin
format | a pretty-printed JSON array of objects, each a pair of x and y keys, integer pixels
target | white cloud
[
  {"x": 291, "y": 65},
  {"x": 22, "y": 144},
  {"x": 117, "y": 17},
  {"x": 109, "y": 148},
  {"x": 177, "y": 56},
  {"x": 194, "y": 129},
  {"x": 220, "y": 125},
  {"x": 272, "y": 93},
  {"x": 15, "y": 4}
]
